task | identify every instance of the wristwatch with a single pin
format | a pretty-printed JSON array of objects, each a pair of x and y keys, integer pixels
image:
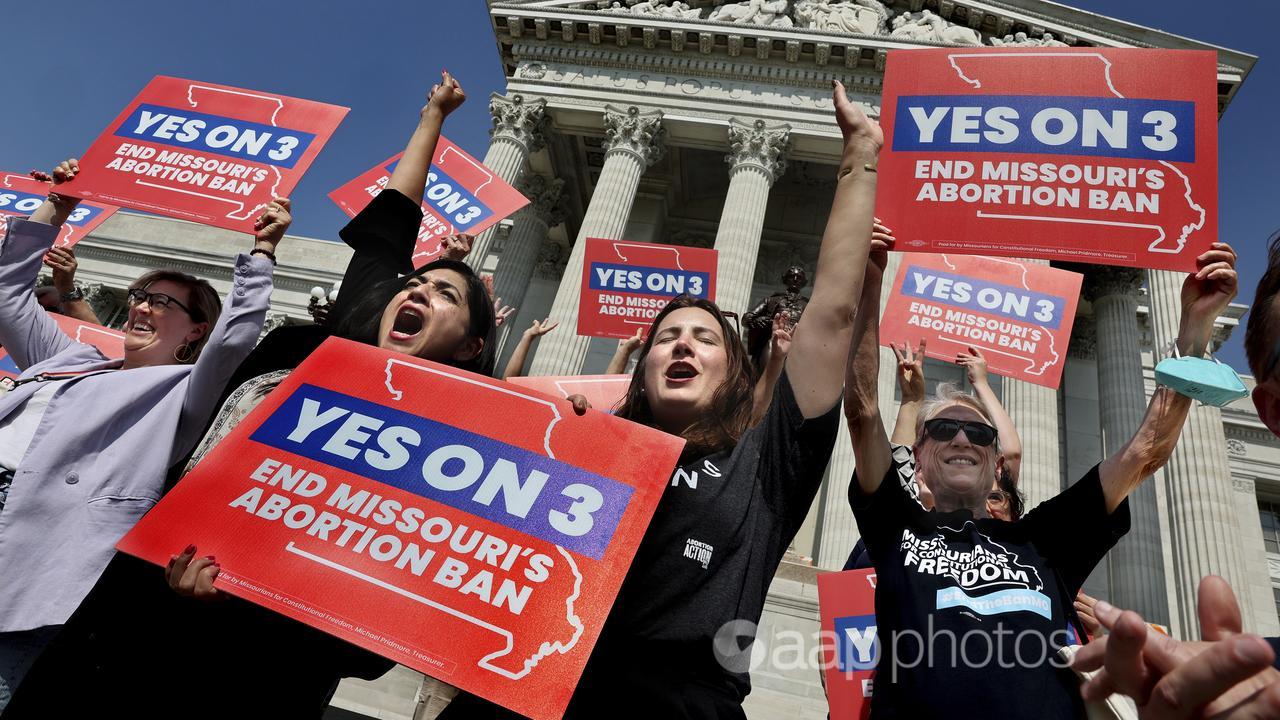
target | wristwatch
[{"x": 75, "y": 294}]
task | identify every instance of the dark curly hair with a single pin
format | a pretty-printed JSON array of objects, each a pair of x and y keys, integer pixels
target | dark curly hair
[{"x": 361, "y": 319}]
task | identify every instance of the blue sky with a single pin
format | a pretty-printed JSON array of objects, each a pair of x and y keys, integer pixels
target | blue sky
[{"x": 74, "y": 69}]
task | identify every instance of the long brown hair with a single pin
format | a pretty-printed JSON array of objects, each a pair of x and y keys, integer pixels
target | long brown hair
[{"x": 731, "y": 404}]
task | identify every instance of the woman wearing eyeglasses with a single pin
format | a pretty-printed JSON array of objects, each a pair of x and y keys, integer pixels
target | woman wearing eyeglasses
[
  {"x": 971, "y": 609},
  {"x": 85, "y": 440}
]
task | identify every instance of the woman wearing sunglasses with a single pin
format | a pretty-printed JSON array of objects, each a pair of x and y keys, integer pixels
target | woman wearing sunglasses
[
  {"x": 85, "y": 440},
  {"x": 971, "y": 609}
]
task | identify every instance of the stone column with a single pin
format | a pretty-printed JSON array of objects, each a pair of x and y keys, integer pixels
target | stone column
[
  {"x": 1137, "y": 564},
  {"x": 1034, "y": 410},
  {"x": 633, "y": 142},
  {"x": 1198, "y": 491},
  {"x": 839, "y": 530},
  {"x": 528, "y": 233},
  {"x": 757, "y": 158},
  {"x": 518, "y": 129}
]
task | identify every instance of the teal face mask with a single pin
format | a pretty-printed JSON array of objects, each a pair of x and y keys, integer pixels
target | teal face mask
[{"x": 1208, "y": 381}]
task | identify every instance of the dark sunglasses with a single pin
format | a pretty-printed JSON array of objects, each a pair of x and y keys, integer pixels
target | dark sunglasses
[
  {"x": 158, "y": 302},
  {"x": 943, "y": 429}
]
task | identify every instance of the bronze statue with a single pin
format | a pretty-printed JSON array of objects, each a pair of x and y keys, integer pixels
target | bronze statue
[{"x": 758, "y": 322}]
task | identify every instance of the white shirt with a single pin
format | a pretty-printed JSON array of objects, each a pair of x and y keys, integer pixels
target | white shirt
[{"x": 17, "y": 430}]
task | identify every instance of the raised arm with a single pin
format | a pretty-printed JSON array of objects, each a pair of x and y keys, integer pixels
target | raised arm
[
  {"x": 823, "y": 335},
  {"x": 1205, "y": 294},
  {"x": 410, "y": 176},
  {"x": 237, "y": 329},
  {"x": 975, "y": 365},
  {"x": 62, "y": 261},
  {"x": 861, "y": 393},
  {"x": 779, "y": 349},
  {"x": 621, "y": 356},
  {"x": 515, "y": 366},
  {"x": 911, "y": 382}
]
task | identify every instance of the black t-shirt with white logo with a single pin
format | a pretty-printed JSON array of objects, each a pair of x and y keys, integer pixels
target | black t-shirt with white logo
[
  {"x": 715, "y": 542},
  {"x": 970, "y": 612}
]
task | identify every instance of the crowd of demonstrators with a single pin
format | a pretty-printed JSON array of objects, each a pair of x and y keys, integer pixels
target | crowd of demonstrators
[
  {"x": 740, "y": 492},
  {"x": 936, "y": 499},
  {"x": 84, "y": 440},
  {"x": 120, "y": 643},
  {"x": 956, "y": 572}
]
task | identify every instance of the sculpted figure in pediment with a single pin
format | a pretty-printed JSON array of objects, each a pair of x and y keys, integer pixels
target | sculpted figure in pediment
[
  {"x": 1020, "y": 39},
  {"x": 859, "y": 17},
  {"x": 756, "y": 12},
  {"x": 676, "y": 9},
  {"x": 929, "y": 27}
]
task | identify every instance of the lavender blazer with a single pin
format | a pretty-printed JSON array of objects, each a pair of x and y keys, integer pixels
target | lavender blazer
[{"x": 98, "y": 459}]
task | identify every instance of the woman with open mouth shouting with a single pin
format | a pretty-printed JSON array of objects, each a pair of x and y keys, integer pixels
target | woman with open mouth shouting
[
  {"x": 671, "y": 647},
  {"x": 120, "y": 644},
  {"x": 85, "y": 440}
]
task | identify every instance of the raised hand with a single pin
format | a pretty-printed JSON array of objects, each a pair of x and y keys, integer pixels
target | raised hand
[
  {"x": 911, "y": 371},
  {"x": 633, "y": 343},
  {"x": 501, "y": 312},
  {"x": 541, "y": 327},
  {"x": 854, "y": 124},
  {"x": 62, "y": 261},
  {"x": 457, "y": 247},
  {"x": 271, "y": 225},
  {"x": 1208, "y": 291},
  {"x": 780, "y": 342},
  {"x": 975, "y": 365},
  {"x": 446, "y": 96}
]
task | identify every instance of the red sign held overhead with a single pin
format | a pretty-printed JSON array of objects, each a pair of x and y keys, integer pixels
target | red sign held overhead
[
  {"x": 109, "y": 342},
  {"x": 454, "y": 523},
  {"x": 626, "y": 284},
  {"x": 462, "y": 196},
  {"x": 20, "y": 195},
  {"x": 209, "y": 153},
  {"x": 1018, "y": 313},
  {"x": 847, "y": 607},
  {"x": 1097, "y": 155}
]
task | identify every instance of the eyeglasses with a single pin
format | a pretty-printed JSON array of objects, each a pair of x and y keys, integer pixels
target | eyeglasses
[
  {"x": 998, "y": 497},
  {"x": 158, "y": 302},
  {"x": 944, "y": 429}
]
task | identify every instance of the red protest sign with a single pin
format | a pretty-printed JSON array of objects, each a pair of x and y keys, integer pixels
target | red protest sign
[
  {"x": 847, "y": 608},
  {"x": 462, "y": 196},
  {"x": 203, "y": 152},
  {"x": 1097, "y": 155},
  {"x": 1019, "y": 314},
  {"x": 453, "y": 523},
  {"x": 625, "y": 284},
  {"x": 604, "y": 392},
  {"x": 109, "y": 342},
  {"x": 20, "y": 195}
]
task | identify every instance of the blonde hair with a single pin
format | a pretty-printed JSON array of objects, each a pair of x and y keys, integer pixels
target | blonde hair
[{"x": 944, "y": 397}]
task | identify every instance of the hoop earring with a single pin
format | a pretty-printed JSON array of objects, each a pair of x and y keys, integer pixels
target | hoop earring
[{"x": 184, "y": 353}]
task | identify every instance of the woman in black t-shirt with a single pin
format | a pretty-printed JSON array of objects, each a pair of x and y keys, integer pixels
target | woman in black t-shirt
[
  {"x": 137, "y": 648},
  {"x": 670, "y": 647},
  {"x": 970, "y": 610}
]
